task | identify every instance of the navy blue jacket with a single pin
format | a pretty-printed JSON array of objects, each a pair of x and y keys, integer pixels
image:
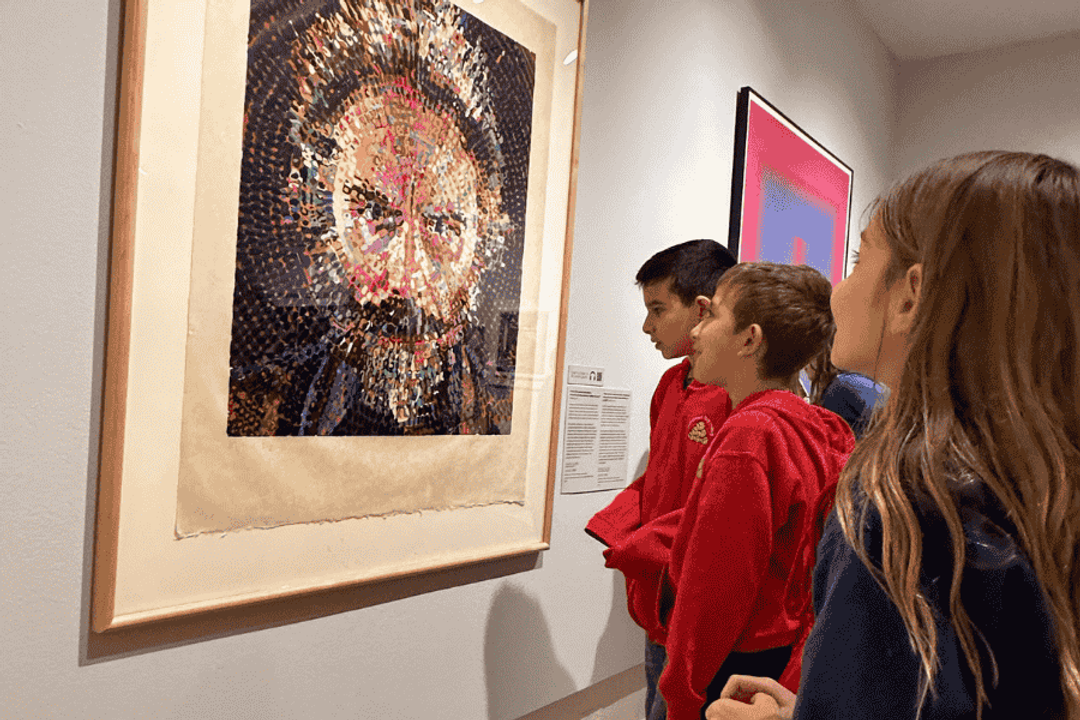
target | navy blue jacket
[
  {"x": 858, "y": 662},
  {"x": 852, "y": 397}
]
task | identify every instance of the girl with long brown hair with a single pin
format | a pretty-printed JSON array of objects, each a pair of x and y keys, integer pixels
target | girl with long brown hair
[{"x": 948, "y": 583}]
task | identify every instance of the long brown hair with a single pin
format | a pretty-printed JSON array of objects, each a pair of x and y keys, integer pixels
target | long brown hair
[
  {"x": 822, "y": 372},
  {"x": 791, "y": 304},
  {"x": 990, "y": 386}
]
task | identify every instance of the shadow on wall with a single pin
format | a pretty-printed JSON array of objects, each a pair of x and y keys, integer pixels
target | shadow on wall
[
  {"x": 621, "y": 637},
  {"x": 522, "y": 671},
  {"x": 228, "y": 622}
]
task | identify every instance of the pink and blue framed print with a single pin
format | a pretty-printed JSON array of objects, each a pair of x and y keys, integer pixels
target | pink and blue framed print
[{"x": 791, "y": 197}]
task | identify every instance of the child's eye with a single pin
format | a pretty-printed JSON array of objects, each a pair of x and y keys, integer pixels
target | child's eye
[{"x": 854, "y": 257}]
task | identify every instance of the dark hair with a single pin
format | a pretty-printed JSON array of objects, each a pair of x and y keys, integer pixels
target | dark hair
[
  {"x": 791, "y": 304},
  {"x": 822, "y": 372},
  {"x": 694, "y": 267}
]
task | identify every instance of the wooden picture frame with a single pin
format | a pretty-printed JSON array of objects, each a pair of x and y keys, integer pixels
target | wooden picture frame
[
  {"x": 167, "y": 402},
  {"x": 790, "y": 196}
]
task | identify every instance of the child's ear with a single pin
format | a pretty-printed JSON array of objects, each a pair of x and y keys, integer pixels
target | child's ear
[
  {"x": 906, "y": 296},
  {"x": 702, "y": 304},
  {"x": 753, "y": 339}
]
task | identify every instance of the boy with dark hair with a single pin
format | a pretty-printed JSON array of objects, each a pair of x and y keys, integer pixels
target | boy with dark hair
[
  {"x": 689, "y": 266},
  {"x": 639, "y": 525}
]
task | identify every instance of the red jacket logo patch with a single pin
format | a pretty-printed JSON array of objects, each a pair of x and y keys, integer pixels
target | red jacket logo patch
[{"x": 699, "y": 432}]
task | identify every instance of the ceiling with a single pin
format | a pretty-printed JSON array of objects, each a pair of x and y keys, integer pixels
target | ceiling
[{"x": 919, "y": 29}]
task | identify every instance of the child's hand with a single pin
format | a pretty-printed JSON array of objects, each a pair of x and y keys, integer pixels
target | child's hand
[
  {"x": 761, "y": 707},
  {"x": 752, "y": 698}
]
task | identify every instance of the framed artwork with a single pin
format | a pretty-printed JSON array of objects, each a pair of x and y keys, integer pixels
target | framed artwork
[
  {"x": 338, "y": 280},
  {"x": 790, "y": 197}
]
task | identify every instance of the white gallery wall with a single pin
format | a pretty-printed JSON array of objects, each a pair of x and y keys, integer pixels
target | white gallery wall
[
  {"x": 1022, "y": 97},
  {"x": 495, "y": 642},
  {"x": 658, "y": 137}
]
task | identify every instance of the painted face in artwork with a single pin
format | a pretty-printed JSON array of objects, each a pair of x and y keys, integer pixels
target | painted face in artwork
[
  {"x": 668, "y": 321},
  {"x": 412, "y": 212},
  {"x": 410, "y": 203},
  {"x": 382, "y": 215}
]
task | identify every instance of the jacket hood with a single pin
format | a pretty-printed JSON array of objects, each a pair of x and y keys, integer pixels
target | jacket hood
[{"x": 813, "y": 427}]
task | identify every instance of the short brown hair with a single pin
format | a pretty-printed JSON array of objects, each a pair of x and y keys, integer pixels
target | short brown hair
[{"x": 791, "y": 304}]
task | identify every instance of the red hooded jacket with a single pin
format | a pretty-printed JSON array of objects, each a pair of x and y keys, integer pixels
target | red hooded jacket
[
  {"x": 639, "y": 524},
  {"x": 743, "y": 554}
]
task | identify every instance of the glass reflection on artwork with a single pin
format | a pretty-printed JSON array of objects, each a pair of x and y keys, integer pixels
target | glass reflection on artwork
[{"x": 382, "y": 211}]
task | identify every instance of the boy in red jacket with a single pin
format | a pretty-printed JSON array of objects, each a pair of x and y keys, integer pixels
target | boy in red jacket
[
  {"x": 639, "y": 524},
  {"x": 738, "y": 579}
]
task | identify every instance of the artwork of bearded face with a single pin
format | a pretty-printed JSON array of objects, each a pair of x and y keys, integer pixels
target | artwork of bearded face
[{"x": 382, "y": 207}]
